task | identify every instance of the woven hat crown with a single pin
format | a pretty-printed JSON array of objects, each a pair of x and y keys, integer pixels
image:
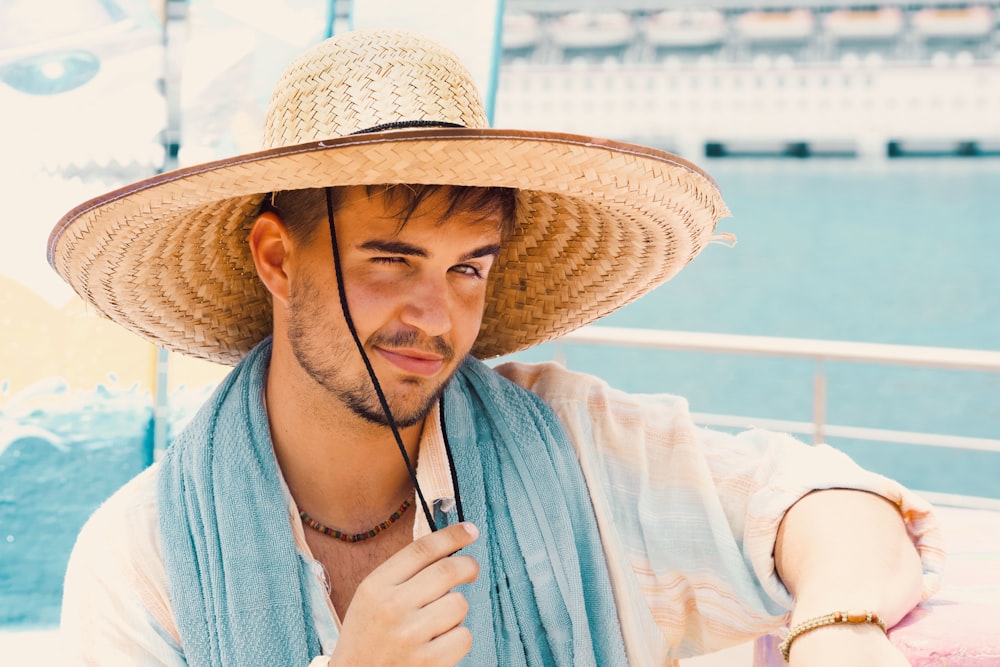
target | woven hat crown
[{"x": 369, "y": 79}]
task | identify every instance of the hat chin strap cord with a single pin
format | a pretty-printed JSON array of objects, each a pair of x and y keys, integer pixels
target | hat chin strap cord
[{"x": 378, "y": 387}]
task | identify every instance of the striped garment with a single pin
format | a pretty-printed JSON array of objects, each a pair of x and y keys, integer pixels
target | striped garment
[{"x": 688, "y": 519}]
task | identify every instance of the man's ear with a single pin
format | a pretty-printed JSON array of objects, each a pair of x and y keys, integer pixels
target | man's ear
[{"x": 270, "y": 246}]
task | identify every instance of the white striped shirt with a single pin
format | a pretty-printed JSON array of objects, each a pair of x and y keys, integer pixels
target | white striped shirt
[{"x": 688, "y": 519}]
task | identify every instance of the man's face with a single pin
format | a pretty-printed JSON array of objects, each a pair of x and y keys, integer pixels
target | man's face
[{"x": 416, "y": 296}]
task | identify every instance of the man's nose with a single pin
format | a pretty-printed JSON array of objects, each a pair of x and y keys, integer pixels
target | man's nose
[{"x": 428, "y": 306}]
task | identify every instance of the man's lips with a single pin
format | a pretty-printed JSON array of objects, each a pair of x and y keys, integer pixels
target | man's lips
[{"x": 413, "y": 361}]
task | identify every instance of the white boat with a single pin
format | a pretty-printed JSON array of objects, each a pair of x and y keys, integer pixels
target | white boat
[
  {"x": 686, "y": 28},
  {"x": 590, "y": 30},
  {"x": 778, "y": 26},
  {"x": 520, "y": 32},
  {"x": 954, "y": 23},
  {"x": 849, "y": 24}
]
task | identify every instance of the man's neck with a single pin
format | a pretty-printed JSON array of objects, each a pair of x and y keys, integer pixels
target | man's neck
[{"x": 337, "y": 465}]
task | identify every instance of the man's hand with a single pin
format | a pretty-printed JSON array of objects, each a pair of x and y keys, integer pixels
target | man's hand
[{"x": 405, "y": 612}]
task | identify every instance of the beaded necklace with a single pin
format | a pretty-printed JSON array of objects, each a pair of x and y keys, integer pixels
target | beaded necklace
[{"x": 356, "y": 537}]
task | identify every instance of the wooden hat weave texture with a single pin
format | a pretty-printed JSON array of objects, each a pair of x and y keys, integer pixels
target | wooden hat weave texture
[{"x": 599, "y": 222}]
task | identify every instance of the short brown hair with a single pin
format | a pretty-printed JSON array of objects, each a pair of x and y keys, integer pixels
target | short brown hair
[{"x": 301, "y": 210}]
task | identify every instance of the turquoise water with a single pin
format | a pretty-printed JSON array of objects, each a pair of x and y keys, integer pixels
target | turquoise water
[
  {"x": 899, "y": 253},
  {"x": 904, "y": 252}
]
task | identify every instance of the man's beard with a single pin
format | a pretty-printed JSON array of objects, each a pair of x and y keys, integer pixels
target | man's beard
[{"x": 323, "y": 356}]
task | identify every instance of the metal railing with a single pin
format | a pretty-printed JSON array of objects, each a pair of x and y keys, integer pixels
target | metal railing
[{"x": 820, "y": 352}]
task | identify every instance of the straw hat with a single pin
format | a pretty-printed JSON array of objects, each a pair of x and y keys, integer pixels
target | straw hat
[{"x": 599, "y": 222}]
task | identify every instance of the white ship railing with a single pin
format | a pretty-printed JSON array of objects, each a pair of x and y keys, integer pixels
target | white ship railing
[{"x": 820, "y": 352}]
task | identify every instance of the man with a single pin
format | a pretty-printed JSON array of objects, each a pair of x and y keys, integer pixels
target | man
[{"x": 555, "y": 520}]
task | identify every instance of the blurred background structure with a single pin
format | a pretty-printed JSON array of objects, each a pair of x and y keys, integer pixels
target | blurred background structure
[
  {"x": 802, "y": 78},
  {"x": 858, "y": 145}
]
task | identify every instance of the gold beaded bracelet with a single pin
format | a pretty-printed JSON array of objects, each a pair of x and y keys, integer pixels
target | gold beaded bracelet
[{"x": 853, "y": 616}]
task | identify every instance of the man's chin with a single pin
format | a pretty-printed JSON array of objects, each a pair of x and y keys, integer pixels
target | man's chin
[
  {"x": 405, "y": 413},
  {"x": 413, "y": 399},
  {"x": 402, "y": 420}
]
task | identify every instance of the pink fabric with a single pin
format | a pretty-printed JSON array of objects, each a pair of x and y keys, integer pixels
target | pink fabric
[{"x": 960, "y": 625}]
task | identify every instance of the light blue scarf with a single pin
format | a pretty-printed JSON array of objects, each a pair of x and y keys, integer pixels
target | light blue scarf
[{"x": 239, "y": 586}]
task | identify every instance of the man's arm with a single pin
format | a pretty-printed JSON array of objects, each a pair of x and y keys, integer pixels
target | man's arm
[
  {"x": 693, "y": 562},
  {"x": 838, "y": 550}
]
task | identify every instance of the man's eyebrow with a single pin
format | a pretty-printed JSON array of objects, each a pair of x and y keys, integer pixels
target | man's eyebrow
[
  {"x": 485, "y": 251},
  {"x": 409, "y": 250},
  {"x": 394, "y": 248}
]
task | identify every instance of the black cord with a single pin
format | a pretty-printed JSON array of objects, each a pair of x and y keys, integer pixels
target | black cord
[
  {"x": 404, "y": 124},
  {"x": 371, "y": 372},
  {"x": 451, "y": 464}
]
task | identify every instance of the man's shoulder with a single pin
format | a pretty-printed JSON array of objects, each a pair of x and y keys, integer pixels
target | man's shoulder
[
  {"x": 547, "y": 378},
  {"x": 116, "y": 584},
  {"x": 135, "y": 499},
  {"x": 554, "y": 383},
  {"x": 123, "y": 532}
]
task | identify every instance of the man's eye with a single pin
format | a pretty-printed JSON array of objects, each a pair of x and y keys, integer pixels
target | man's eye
[
  {"x": 388, "y": 260},
  {"x": 468, "y": 270}
]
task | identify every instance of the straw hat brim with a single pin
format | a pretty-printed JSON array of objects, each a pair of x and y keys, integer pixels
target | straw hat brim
[{"x": 599, "y": 223}]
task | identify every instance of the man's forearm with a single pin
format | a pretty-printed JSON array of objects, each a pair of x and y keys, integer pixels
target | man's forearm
[{"x": 842, "y": 549}]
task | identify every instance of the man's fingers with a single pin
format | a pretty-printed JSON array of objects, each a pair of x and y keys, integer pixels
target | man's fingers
[
  {"x": 415, "y": 557},
  {"x": 444, "y": 614},
  {"x": 440, "y": 577},
  {"x": 436, "y": 619},
  {"x": 448, "y": 648}
]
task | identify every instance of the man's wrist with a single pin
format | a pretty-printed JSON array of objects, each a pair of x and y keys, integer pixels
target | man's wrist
[
  {"x": 856, "y": 645},
  {"x": 847, "y": 617}
]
